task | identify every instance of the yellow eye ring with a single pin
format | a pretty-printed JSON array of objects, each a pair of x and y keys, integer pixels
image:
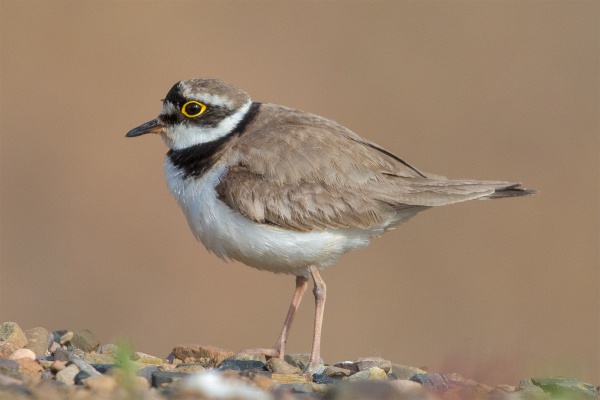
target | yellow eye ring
[{"x": 193, "y": 108}]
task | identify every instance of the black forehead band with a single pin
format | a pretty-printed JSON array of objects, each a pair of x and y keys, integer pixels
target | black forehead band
[{"x": 174, "y": 97}]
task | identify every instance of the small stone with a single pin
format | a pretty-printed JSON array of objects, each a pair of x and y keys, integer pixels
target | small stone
[
  {"x": 81, "y": 377},
  {"x": 410, "y": 389},
  {"x": 373, "y": 374},
  {"x": 57, "y": 366},
  {"x": 371, "y": 390},
  {"x": 108, "y": 349},
  {"x": 434, "y": 381},
  {"x": 336, "y": 372},
  {"x": 53, "y": 347},
  {"x": 279, "y": 366},
  {"x": 30, "y": 367},
  {"x": 6, "y": 349},
  {"x": 102, "y": 383},
  {"x": 84, "y": 366},
  {"x": 103, "y": 368},
  {"x": 37, "y": 340},
  {"x": 95, "y": 358},
  {"x": 189, "y": 368},
  {"x": 288, "y": 379},
  {"x": 300, "y": 360},
  {"x": 8, "y": 382},
  {"x": 246, "y": 356},
  {"x": 147, "y": 372},
  {"x": 208, "y": 356},
  {"x": 322, "y": 379},
  {"x": 151, "y": 360},
  {"x": 85, "y": 340},
  {"x": 67, "y": 375},
  {"x": 62, "y": 336},
  {"x": 139, "y": 355},
  {"x": 363, "y": 364},
  {"x": 61, "y": 354},
  {"x": 406, "y": 372},
  {"x": 11, "y": 332},
  {"x": 241, "y": 365},
  {"x": 349, "y": 365},
  {"x": 5, "y": 363},
  {"x": 161, "y": 379},
  {"x": 567, "y": 388},
  {"x": 22, "y": 353}
]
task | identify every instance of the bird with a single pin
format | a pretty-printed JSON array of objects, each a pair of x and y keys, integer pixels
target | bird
[{"x": 287, "y": 191}]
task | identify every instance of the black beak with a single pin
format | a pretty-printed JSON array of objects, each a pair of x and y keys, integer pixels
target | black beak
[{"x": 154, "y": 126}]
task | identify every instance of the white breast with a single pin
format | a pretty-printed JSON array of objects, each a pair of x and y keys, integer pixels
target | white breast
[{"x": 230, "y": 235}]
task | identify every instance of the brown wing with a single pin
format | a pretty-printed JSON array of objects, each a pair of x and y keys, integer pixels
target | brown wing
[{"x": 304, "y": 172}]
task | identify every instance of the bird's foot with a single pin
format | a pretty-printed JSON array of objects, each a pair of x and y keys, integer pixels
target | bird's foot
[{"x": 314, "y": 368}]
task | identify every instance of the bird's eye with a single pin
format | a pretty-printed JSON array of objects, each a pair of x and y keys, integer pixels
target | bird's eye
[{"x": 193, "y": 108}]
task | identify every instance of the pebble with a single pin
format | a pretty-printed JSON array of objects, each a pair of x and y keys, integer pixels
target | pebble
[
  {"x": 406, "y": 372},
  {"x": 57, "y": 366},
  {"x": 287, "y": 378},
  {"x": 108, "y": 349},
  {"x": 63, "y": 336},
  {"x": 22, "y": 353},
  {"x": 67, "y": 375},
  {"x": 53, "y": 347},
  {"x": 84, "y": 366},
  {"x": 61, "y": 354},
  {"x": 95, "y": 358},
  {"x": 102, "y": 383},
  {"x": 566, "y": 388},
  {"x": 147, "y": 372},
  {"x": 211, "y": 385},
  {"x": 369, "y": 390},
  {"x": 7, "y": 364},
  {"x": 349, "y": 365},
  {"x": 85, "y": 340},
  {"x": 31, "y": 368},
  {"x": 189, "y": 368},
  {"x": 363, "y": 364},
  {"x": 434, "y": 381},
  {"x": 161, "y": 379},
  {"x": 151, "y": 360},
  {"x": 322, "y": 379},
  {"x": 373, "y": 374},
  {"x": 11, "y": 332},
  {"x": 300, "y": 360},
  {"x": 246, "y": 356},
  {"x": 241, "y": 365},
  {"x": 279, "y": 366},
  {"x": 81, "y": 377},
  {"x": 336, "y": 372},
  {"x": 6, "y": 349},
  {"x": 409, "y": 389},
  {"x": 37, "y": 340},
  {"x": 208, "y": 356}
]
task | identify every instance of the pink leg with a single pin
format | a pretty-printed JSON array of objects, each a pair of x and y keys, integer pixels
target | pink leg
[
  {"x": 320, "y": 292},
  {"x": 279, "y": 349}
]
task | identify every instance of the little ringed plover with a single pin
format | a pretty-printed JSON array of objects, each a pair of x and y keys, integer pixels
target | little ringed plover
[{"x": 286, "y": 191}]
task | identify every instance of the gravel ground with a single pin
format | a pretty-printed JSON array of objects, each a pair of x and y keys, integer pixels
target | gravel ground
[{"x": 38, "y": 364}]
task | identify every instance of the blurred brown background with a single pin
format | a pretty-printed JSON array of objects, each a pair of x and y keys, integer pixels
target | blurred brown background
[{"x": 497, "y": 291}]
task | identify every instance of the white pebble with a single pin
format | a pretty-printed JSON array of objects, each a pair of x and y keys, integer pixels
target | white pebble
[
  {"x": 212, "y": 385},
  {"x": 22, "y": 353}
]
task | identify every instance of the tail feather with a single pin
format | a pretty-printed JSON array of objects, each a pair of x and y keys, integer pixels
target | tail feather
[{"x": 514, "y": 190}]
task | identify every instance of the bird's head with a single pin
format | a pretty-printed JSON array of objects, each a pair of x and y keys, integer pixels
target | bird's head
[{"x": 197, "y": 111}]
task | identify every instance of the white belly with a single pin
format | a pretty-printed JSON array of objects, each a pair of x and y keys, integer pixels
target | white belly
[{"x": 230, "y": 235}]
